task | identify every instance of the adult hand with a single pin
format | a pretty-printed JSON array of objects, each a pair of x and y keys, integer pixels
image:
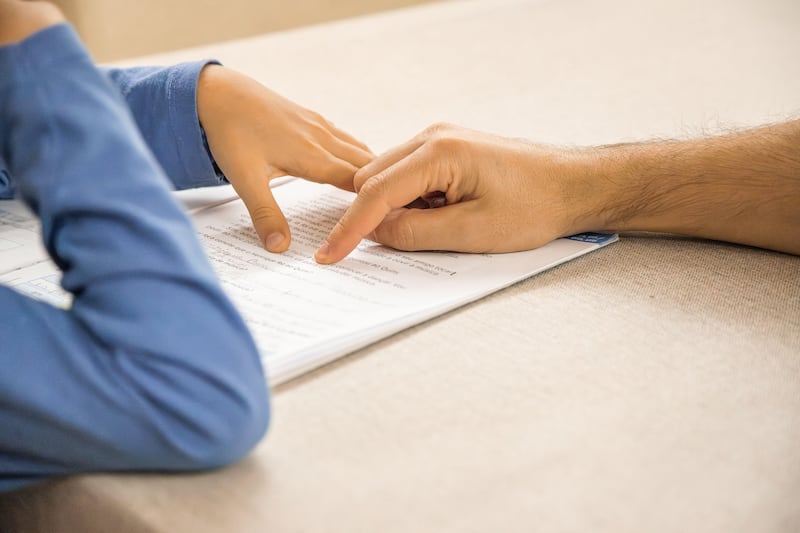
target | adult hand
[
  {"x": 501, "y": 195},
  {"x": 18, "y": 19},
  {"x": 256, "y": 135}
]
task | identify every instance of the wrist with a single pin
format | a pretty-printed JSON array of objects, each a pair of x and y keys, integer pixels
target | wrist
[
  {"x": 627, "y": 195},
  {"x": 208, "y": 89},
  {"x": 617, "y": 169},
  {"x": 591, "y": 187}
]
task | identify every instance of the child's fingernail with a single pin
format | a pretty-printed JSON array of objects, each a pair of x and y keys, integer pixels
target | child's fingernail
[
  {"x": 274, "y": 241},
  {"x": 322, "y": 254}
]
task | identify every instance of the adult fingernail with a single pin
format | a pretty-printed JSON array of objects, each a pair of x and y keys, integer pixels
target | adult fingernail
[
  {"x": 322, "y": 254},
  {"x": 273, "y": 242}
]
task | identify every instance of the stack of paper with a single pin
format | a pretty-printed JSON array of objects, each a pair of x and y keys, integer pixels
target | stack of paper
[{"x": 304, "y": 315}]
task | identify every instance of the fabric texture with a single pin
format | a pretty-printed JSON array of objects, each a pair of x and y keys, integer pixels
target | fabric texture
[
  {"x": 163, "y": 102},
  {"x": 151, "y": 368}
]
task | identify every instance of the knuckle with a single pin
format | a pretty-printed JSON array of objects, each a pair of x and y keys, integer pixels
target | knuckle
[
  {"x": 314, "y": 117},
  {"x": 445, "y": 142},
  {"x": 309, "y": 145},
  {"x": 437, "y": 129},
  {"x": 265, "y": 214},
  {"x": 359, "y": 179},
  {"x": 316, "y": 123},
  {"x": 374, "y": 188},
  {"x": 319, "y": 131},
  {"x": 308, "y": 160}
]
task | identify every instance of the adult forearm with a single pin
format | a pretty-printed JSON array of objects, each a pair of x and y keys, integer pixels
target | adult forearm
[
  {"x": 506, "y": 195},
  {"x": 742, "y": 187}
]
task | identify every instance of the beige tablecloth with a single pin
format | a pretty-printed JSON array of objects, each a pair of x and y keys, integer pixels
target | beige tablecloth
[{"x": 651, "y": 386}]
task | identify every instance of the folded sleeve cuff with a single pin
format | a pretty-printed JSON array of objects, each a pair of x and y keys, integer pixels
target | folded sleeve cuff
[
  {"x": 163, "y": 101},
  {"x": 192, "y": 146}
]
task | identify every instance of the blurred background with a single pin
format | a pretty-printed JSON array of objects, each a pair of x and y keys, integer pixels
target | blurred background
[{"x": 117, "y": 29}]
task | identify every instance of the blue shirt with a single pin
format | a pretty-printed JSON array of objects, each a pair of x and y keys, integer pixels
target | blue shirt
[{"x": 151, "y": 368}]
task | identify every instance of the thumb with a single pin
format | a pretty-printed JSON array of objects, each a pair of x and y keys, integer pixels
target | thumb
[
  {"x": 268, "y": 220},
  {"x": 457, "y": 227}
]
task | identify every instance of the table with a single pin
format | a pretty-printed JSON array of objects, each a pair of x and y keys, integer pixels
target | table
[{"x": 650, "y": 386}]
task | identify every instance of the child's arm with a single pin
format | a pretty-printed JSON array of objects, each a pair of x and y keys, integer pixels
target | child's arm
[{"x": 152, "y": 368}]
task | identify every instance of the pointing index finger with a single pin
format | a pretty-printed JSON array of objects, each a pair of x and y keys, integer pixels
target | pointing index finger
[{"x": 396, "y": 187}]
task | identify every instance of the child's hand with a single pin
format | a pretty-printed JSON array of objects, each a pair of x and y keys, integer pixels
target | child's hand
[{"x": 256, "y": 135}]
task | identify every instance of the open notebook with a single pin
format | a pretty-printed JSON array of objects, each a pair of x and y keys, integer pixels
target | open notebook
[{"x": 304, "y": 315}]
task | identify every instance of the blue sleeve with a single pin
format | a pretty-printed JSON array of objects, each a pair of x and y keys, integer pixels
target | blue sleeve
[
  {"x": 151, "y": 368},
  {"x": 163, "y": 101}
]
